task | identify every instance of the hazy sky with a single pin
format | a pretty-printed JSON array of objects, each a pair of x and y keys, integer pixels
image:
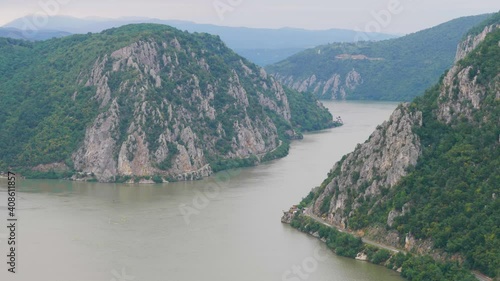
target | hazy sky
[{"x": 394, "y": 16}]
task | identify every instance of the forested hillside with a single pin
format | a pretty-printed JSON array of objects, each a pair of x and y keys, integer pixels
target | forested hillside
[
  {"x": 141, "y": 101},
  {"x": 397, "y": 69}
]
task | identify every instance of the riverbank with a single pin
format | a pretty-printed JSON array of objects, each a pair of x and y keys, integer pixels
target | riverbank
[
  {"x": 65, "y": 172},
  {"x": 411, "y": 267}
]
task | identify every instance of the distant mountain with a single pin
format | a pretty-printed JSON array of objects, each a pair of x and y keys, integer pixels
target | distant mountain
[
  {"x": 397, "y": 69},
  {"x": 259, "y": 45},
  {"x": 265, "y": 57},
  {"x": 142, "y": 102},
  {"x": 32, "y": 35}
]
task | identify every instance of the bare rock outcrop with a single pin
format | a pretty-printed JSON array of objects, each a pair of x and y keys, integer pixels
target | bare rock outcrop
[
  {"x": 139, "y": 134},
  {"x": 376, "y": 165},
  {"x": 337, "y": 87},
  {"x": 96, "y": 155},
  {"x": 461, "y": 94}
]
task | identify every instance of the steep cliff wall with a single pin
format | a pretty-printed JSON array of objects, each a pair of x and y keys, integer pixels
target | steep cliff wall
[
  {"x": 337, "y": 87},
  {"x": 374, "y": 166},
  {"x": 462, "y": 93},
  {"x": 472, "y": 41}
]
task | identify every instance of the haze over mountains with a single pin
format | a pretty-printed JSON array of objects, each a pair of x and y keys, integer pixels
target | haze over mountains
[
  {"x": 15, "y": 33},
  {"x": 261, "y": 46}
]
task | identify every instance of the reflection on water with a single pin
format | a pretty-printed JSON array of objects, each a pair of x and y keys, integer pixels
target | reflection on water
[{"x": 226, "y": 227}]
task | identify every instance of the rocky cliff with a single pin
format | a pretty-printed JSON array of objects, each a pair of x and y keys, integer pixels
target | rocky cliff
[
  {"x": 337, "y": 87},
  {"x": 159, "y": 131},
  {"x": 173, "y": 105},
  {"x": 374, "y": 166},
  {"x": 427, "y": 179},
  {"x": 462, "y": 93},
  {"x": 472, "y": 40}
]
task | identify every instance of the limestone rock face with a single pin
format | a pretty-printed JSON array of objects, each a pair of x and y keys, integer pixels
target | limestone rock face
[
  {"x": 157, "y": 118},
  {"x": 371, "y": 178},
  {"x": 376, "y": 165},
  {"x": 461, "y": 94},
  {"x": 95, "y": 156},
  {"x": 472, "y": 41},
  {"x": 337, "y": 87}
]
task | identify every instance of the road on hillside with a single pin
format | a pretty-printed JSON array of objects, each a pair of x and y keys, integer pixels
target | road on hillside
[{"x": 308, "y": 212}]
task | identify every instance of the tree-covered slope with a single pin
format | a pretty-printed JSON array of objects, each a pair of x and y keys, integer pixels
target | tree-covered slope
[
  {"x": 407, "y": 65},
  {"x": 141, "y": 101},
  {"x": 428, "y": 179}
]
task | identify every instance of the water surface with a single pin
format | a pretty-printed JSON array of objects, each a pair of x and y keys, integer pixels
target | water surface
[{"x": 226, "y": 227}]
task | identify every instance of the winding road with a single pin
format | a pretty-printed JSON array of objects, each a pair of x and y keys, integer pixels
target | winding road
[{"x": 308, "y": 212}]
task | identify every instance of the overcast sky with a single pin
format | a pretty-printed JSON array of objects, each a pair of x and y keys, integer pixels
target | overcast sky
[{"x": 394, "y": 16}]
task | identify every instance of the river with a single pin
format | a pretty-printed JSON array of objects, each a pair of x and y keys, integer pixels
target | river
[{"x": 226, "y": 227}]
